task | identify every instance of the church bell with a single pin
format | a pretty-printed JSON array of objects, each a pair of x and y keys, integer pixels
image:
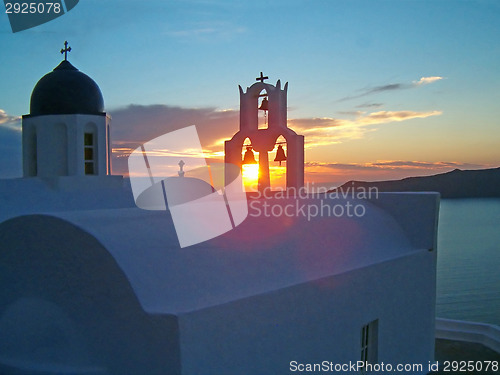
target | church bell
[
  {"x": 249, "y": 157},
  {"x": 264, "y": 106},
  {"x": 280, "y": 154}
]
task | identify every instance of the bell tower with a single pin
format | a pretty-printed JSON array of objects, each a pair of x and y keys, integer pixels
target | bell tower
[{"x": 264, "y": 140}]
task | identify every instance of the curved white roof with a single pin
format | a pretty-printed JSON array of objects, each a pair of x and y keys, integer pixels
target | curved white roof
[{"x": 261, "y": 255}]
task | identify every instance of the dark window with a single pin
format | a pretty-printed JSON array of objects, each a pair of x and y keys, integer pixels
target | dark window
[
  {"x": 89, "y": 168},
  {"x": 369, "y": 344},
  {"x": 89, "y": 153},
  {"x": 89, "y": 139}
]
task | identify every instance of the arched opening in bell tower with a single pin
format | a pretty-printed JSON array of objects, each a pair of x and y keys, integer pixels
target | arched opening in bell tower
[
  {"x": 277, "y": 164},
  {"x": 263, "y": 107},
  {"x": 249, "y": 166}
]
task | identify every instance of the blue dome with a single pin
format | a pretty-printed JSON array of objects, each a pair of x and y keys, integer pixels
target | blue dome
[{"x": 66, "y": 90}]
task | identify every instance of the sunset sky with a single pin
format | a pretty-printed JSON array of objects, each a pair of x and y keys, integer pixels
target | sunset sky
[{"x": 380, "y": 89}]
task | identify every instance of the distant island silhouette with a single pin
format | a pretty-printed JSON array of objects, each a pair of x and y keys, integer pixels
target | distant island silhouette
[{"x": 481, "y": 183}]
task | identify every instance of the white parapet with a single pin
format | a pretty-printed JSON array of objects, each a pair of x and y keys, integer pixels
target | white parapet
[{"x": 482, "y": 333}]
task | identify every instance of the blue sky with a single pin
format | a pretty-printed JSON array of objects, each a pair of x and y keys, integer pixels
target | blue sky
[{"x": 380, "y": 89}]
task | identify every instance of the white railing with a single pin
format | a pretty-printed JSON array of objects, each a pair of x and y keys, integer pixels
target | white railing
[{"x": 486, "y": 334}]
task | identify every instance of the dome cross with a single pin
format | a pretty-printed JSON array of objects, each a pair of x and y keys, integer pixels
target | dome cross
[{"x": 65, "y": 50}]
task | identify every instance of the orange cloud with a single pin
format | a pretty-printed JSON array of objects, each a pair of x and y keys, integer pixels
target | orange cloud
[
  {"x": 391, "y": 116},
  {"x": 398, "y": 164},
  {"x": 327, "y": 131}
]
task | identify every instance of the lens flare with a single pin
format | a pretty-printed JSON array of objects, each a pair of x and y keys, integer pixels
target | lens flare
[{"x": 250, "y": 173}]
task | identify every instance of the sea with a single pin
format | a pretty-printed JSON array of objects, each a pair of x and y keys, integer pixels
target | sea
[{"x": 468, "y": 266}]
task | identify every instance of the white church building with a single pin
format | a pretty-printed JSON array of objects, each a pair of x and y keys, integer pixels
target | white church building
[{"x": 92, "y": 284}]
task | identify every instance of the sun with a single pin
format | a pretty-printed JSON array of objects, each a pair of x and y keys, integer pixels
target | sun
[{"x": 250, "y": 173}]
